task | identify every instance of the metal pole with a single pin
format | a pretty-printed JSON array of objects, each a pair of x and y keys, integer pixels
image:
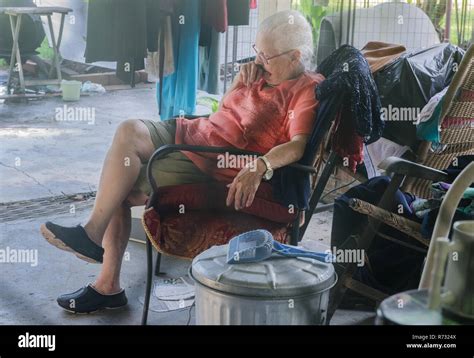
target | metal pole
[
  {"x": 234, "y": 50},
  {"x": 447, "y": 30},
  {"x": 226, "y": 52}
]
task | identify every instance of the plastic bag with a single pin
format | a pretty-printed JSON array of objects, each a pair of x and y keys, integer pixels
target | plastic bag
[
  {"x": 409, "y": 82},
  {"x": 89, "y": 87}
]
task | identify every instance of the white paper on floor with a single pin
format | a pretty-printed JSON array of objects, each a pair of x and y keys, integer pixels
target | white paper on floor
[
  {"x": 171, "y": 294},
  {"x": 173, "y": 289}
]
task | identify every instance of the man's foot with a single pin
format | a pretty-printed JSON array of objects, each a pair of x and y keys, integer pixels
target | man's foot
[
  {"x": 73, "y": 239},
  {"x": 88, "y": 300}
]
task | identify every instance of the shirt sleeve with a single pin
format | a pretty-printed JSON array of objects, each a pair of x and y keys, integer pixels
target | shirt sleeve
[{"x": 302, "y": 112}]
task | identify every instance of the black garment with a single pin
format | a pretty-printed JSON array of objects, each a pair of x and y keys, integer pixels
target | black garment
[
  {"x": 348, "y": 75},
  {"x": 454, "y": 170},
  {"x": 353, "y": 88},
  {"x": 116, "y": 29},
  {"x": 122, "y": 30},
  {"x": 238, "y": 12}
]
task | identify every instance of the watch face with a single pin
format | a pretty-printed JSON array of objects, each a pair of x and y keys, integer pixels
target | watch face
[{"x": 268, "y": 175}]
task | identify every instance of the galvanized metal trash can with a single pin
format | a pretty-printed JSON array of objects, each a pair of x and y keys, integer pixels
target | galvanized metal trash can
[{"x": 278, "y": 291}]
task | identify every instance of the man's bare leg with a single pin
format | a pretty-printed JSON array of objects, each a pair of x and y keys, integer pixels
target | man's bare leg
[
  {"x": 131, "y": 146},
  {"x": 115, "y": 242}
]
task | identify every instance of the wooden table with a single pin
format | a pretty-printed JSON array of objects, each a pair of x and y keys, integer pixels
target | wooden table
[{"x": 15, "y": 14}]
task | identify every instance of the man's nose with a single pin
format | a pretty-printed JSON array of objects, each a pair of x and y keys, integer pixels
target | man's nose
[{"x": 258, "y": 60}]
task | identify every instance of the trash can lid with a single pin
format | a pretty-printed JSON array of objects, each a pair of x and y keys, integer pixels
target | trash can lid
[{"x": 276, "y": 277}]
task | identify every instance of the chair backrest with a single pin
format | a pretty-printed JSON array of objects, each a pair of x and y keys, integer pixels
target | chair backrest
[{"x": 457, "y": 125}]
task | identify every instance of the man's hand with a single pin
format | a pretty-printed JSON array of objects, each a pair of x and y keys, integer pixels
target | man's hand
[
  {"x": 250, "y": 72},
  {"x": 244, "y": 186}
]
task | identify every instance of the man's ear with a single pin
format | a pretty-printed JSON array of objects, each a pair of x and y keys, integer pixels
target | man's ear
[{"x": 296, "y": 55}]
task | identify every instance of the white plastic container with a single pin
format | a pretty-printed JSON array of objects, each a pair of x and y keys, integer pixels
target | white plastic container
[{"x": 71, "y": 90}]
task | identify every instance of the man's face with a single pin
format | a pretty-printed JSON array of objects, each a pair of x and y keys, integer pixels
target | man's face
[{"x": 278, "y": 69}]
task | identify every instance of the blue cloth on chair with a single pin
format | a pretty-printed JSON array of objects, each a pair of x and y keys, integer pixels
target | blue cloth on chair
[{"x": 291, "y": 186}]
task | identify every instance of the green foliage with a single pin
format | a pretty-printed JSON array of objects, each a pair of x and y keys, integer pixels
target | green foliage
[
  {"x": 45, "y": 51},
  {"x": 211, "y": 103},
  {"x": 313, "y": 13}
]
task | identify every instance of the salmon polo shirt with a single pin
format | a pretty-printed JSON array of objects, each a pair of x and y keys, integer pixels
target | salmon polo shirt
[{"x": 255, "y": 118}]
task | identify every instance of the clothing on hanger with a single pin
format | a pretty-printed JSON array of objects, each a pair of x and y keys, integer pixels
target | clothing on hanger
[
  {"x": 214, "y": 13},
  {"x": 180, "y": 88},
  {"x": 152, "y": 65},
  {"x": 238, "y": 12},
  {"x": 122, "y": 31},
  {"x": 209, "y": 64}
]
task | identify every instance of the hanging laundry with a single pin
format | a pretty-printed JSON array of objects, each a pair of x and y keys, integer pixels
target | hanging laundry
[
  {"x": 121, "y": 31},
  {"x": 238, "y": 12},
  {"x": 348, "y": 76},
  {"x": 214, "y": 13},
  {"x": 152, "y": 65},
  {"x": 209, "y": 64},
  {"x": 180, "y": 88}
]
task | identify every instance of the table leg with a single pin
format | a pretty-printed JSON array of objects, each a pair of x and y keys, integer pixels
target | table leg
[
  {"x": 15, "y": 27},
  {"x": 58, "y": 43},
  {"x": 55, "y": 49},
  {"x": 61, "y": 28}
]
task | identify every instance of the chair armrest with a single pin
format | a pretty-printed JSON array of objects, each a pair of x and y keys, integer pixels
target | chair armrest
[
  {"x": 192, "y": 116},
  {"x": 397, "y": 165},
  {"x": 169, "y": 148}
]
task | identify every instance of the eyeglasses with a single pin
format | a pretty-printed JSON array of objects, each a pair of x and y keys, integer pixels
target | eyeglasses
[{"x": 264, "y": 58}]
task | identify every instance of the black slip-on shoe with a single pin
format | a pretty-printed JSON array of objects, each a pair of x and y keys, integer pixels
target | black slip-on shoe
[
  {"x": 73, "y": 239},
  {"x": 88, "y": 300}
]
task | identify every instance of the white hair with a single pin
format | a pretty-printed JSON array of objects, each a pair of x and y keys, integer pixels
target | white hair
[{"x": 290, "y": 30}]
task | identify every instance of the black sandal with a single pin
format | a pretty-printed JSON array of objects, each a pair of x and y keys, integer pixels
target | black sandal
[
  {"x": 88, "y": 300},
  {"x": 73, "y": 239}
]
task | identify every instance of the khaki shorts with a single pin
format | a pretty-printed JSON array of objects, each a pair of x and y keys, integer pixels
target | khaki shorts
[{"x": 174, "y": 168}]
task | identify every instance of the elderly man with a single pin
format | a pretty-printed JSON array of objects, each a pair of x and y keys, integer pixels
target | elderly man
[{"x": 269, "y": 109}]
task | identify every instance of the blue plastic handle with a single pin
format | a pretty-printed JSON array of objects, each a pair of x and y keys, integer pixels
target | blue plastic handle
[{"x": 291, "y": 251}]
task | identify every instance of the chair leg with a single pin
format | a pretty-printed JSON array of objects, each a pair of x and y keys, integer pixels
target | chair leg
[
  {"x": 295, "y": 231},
  {"x": 149, "y": 278},
  {"x": 158, "y": 264},
  {"x": 343, "y": 271},
  {"x": 333, "y": 160}
]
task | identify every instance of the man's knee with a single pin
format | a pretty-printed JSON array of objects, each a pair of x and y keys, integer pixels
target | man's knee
[
  {"x": 129, "y": 129},
  {"x": 134, "y": 133}
]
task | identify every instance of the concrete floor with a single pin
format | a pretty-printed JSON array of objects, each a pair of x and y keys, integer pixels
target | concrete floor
[{"x": 43, "y": 157}]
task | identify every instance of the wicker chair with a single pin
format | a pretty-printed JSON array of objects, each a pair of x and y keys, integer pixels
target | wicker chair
[
  {"x": 457, "y": 130},
  {"x": 457, "y": 138}
]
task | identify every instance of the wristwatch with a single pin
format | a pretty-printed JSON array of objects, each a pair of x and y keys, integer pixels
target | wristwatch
[{"x": 269, "y": 172}]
